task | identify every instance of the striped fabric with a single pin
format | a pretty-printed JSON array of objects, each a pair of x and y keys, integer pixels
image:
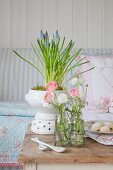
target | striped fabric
[
  {"x": 16, "y": 109},
  {"x": 96, "y": 52},
  {"x": 16, "y": 76}
]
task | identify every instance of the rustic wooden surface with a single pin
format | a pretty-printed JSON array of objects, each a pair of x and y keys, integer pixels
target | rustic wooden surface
[{"x": 92, "y": 152}]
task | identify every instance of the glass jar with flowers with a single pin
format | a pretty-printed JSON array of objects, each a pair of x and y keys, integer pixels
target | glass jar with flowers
[
  {"x": 68, "y": 105},
  {"x": 58, "y": 100},
  {"x": 77, "y": 101},
  {"x": 62, "y": 135}
]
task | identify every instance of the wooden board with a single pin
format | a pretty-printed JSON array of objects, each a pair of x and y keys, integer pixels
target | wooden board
[{"x": 92, "y": 152}]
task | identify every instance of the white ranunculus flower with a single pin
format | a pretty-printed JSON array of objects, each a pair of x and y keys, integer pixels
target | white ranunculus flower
[
  {"x": 62, "y": 98},
  {"x": 82, "y": 94},
  {"x": 45, "y": 104},
  {"x": 74, "y": 81}
]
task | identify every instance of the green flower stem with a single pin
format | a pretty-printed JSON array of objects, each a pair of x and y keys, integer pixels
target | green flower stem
[
  {"x": 61, "y": 125},
  {"x": 62, "y": 122},
  {"x": 58, "y": 133}
]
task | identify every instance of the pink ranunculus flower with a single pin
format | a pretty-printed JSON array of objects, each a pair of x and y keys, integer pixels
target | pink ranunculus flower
[
  {"x": 51, "y": 86},
  {"x": 47, "y": 97},
  {"x": 74, "y": 92}
]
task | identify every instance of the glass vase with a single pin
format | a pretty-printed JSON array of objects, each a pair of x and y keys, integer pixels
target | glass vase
[
  {"x": 77, "y": 132},
  {"x": 62, "y": 134}
]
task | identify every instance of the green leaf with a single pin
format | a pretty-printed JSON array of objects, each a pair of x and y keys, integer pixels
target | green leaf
[{"x": 28, "y": 62}]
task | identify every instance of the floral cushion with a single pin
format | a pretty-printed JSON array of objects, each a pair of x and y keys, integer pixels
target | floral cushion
[
  {"x": 14, "y": 119},
  {"x": 12, "y": 132}
]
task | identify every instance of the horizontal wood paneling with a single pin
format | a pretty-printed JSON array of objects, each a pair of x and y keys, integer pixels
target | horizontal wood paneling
[
  {"x": 18, "y": 24},
  {"x": 108, "y": 23},
  {"x": 95, "y": 23},
  {"x": 49, "y": 16},
  {"x": 65, "y": 18},
  {"x": 5, "y": 23},
  {"x": 34, "y": 20},
  {"x": 80, "y": 23},
  {"x": 88, "y": 22}
]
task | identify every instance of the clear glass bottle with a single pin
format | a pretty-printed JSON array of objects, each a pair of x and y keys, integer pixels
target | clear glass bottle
[
  {"x": 77, "y": 132},
  {"x": 62, "y": 134}
]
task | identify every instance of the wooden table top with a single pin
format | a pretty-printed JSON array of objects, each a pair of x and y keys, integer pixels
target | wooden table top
[{"x": 92, "y": 152}]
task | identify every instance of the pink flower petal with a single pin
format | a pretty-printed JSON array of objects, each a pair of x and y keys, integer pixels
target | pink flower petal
[
  {"x": 74, "y": 92},
  {"x": 51, "y": 86}
]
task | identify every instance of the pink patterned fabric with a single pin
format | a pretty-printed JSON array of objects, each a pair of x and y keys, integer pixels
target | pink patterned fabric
[
  {"x": 99, "y": 80},
  {"x": 103, "y": 139},
  {"x": 20, "y": 165},
  {"x": 87, "y": 77},
  {"x": 11, "y": 166}
]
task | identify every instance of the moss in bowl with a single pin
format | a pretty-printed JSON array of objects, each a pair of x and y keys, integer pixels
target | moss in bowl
[{"x": 42, "y": 88}]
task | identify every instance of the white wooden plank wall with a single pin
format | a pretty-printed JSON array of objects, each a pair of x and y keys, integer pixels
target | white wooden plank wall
[{"x": 88, "y": 22}]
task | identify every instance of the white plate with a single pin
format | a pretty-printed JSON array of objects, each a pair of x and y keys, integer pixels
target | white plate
[
  {"x": 111, "y": 109},
  {"x": 89, "y": 124}
]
